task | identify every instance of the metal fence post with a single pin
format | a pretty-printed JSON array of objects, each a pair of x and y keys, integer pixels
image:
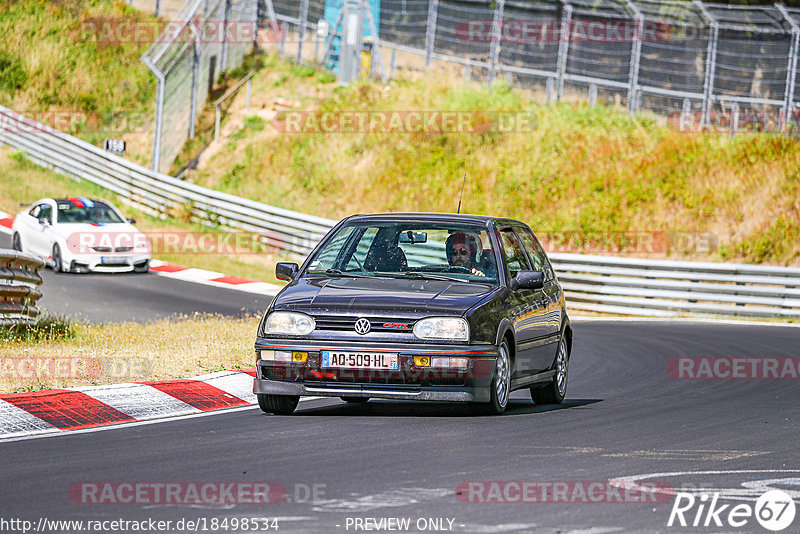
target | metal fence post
[
  {"x": 195, "y": 80},
  {"x": 563, "y": 47},
  {"x": 710, "y": 65},
  {"x": 157, "y": 10},
  {"x": 734, "y": 119},
  {"x": 223, "y": 62},
  {"x": 159, "y": 125},
  {"x": 791, "y": 69},
  {"x": 593, "y": 94},
  {"x": 301, "y": 30},
  {"x": 636, "y": 54},
  {"x": 497, "y": 33},
  {"x": 430, "y": 32},
  {"x": 685, "y": 114}
]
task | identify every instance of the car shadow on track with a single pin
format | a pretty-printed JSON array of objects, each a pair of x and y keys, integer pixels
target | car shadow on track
[{"x": 390, "y": 408}]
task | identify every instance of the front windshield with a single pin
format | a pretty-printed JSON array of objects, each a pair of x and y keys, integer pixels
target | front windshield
[
  {"x": 97, "y": 213},
  {"x": 409, "y": 249}
]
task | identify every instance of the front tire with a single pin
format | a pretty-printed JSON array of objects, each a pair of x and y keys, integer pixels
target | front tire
[
  {"x": 501, "y": 385},
  {"x": 58, "y": 263},
  {"x": 16, "y": 242},
  {"x": 278, "y": 404},
  {"x": 145, "y": 267},
  {"x": 556, "y": 390}
]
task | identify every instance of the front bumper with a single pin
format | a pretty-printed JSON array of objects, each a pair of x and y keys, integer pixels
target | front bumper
[
  {"x": 409, "y": 382},
  {"x": 107, "y": 263}
]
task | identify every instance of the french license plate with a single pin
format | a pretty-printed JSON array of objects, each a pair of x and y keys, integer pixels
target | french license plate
[
  {"x": 111, "y": 259},
  {"x": 360, "y": 360}
]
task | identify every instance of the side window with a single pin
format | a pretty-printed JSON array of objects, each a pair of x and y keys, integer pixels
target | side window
[
  {"x": 512, "y": 252},
  {"x": 46, "y": 213},
  {"x": 35, "y": 211},
  {"x": 535, "y": 252}
]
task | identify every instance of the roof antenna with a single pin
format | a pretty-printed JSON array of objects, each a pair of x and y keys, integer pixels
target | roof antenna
[{"x": 462, "y": 192}]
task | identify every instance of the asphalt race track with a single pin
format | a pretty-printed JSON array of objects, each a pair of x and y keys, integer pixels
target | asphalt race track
[
  {"x": 624, "y": 417},
  {"x": 137, "y": 297}
]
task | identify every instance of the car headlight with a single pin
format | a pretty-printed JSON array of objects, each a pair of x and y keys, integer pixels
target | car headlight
[
  {"x": 442, "y": 328},
  {"x": 293, "y": 323}
]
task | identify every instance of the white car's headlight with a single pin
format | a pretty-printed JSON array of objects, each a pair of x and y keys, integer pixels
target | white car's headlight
[
  {"x": 442, "y": 328},
  {"x": 293, "y": 323}
]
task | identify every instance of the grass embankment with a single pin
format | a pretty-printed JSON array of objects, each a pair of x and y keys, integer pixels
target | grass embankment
[
  {"x": 81, "y": 354},
  {"x": 24, "y": 182},
  {"x": 593, "y": 172},
  {"x": 51, "y": 61}
]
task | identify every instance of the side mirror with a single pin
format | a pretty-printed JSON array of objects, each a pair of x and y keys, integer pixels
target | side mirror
[
  {"x": 286, "y": 271},
  {"x": 528, "y": 280},
  {"x": 131, "y": 220},
  {"x": 44, "y": 222}
]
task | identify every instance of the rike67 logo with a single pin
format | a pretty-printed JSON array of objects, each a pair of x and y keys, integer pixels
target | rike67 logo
[{"x": 774, "y": 510}]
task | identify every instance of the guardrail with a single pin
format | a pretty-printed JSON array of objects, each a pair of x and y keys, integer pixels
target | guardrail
[
  {"x": 627, "y": 286},
  {"x": 156, "y": 193},
  {"x": 633, "y": 286},
  {"x": 19, "y": 282}
]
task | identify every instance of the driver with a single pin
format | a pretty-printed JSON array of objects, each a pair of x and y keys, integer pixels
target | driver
[{"x": 462, "y": 249}]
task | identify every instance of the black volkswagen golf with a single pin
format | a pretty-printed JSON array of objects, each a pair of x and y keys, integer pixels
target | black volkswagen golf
[{"x": 416, "y": 306}]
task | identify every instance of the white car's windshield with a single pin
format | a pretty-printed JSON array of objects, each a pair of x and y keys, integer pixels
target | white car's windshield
[
  {"x": 86, "y": 213},
  {"x": 447, "y": 251}
]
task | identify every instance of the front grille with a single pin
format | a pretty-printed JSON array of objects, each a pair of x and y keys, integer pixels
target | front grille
[
  {"x": 124, "y": 249},
  {"x": 377, "y": 324}
]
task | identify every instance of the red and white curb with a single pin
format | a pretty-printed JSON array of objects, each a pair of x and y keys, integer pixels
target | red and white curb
[
  {"x": 60, "y": 410},
  {"x": 187, "y": 274}
]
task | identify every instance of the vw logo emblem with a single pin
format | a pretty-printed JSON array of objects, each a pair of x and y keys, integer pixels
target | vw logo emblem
[{"x": 362, "y": 326}]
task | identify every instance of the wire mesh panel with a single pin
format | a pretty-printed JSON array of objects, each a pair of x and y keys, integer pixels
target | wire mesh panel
[
  {"x": 672, "y": 67},
  {"x": 404, "y": 22},
  {"x": 530, "y": 36},
  {"x": 752, "y": 52},
  {"x": 600, "y": 39},
  {"x": 206, "y": 37},
  {"x": 464, "y": 28}
]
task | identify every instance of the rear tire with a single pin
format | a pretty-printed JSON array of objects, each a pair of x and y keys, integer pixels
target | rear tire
[
  {"x": 16, "y": 242},
  {"x": 501, "y": 385},
  {"x": 556, "y": 390},
  {"x": 278, "y": 404},
  {"x": 58, "y": 263},
  {"x": 355, "y": 400}
]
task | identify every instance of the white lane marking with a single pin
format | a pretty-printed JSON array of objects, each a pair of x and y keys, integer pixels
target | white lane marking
[
  {"x": 737, "y": 494},
  {"x": 17, "y": 422},
  {"x": 201, "y": 276},
  {"x": 59, "y": 433},
  {"x": 140, "y": 401},
  {"x": 387, "y": 499}
]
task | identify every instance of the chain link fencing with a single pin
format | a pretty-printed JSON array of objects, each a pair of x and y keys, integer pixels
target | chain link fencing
[
  {"x": 704, "y": 66},
  {"x": 204, "y": 39}
]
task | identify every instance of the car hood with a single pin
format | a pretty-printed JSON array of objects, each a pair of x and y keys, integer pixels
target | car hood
[
  {"x": 322, "y": 295},
  {"x": 80, "y": 235}
]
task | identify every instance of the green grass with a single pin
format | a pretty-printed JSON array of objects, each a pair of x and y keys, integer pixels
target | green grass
[{"x": 46, "y": 328}]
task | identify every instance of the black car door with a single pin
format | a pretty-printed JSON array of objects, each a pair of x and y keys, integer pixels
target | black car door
[
  {"x": 550, "y": 296},
  {"x": 526, "y": 309}
]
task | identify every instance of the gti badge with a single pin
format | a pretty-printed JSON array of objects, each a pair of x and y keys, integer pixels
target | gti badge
[{"x": 362, "y": 326}]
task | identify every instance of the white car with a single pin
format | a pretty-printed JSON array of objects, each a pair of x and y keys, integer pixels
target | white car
[{"x": 78, "y": 234}]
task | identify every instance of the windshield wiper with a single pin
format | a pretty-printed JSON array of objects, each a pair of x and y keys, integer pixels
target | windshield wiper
[
  {"x": 425, "y": 276},
  {"x": 338, "y": 272}
]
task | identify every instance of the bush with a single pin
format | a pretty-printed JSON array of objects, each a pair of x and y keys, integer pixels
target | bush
[{"x": 13, "y": 74}]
